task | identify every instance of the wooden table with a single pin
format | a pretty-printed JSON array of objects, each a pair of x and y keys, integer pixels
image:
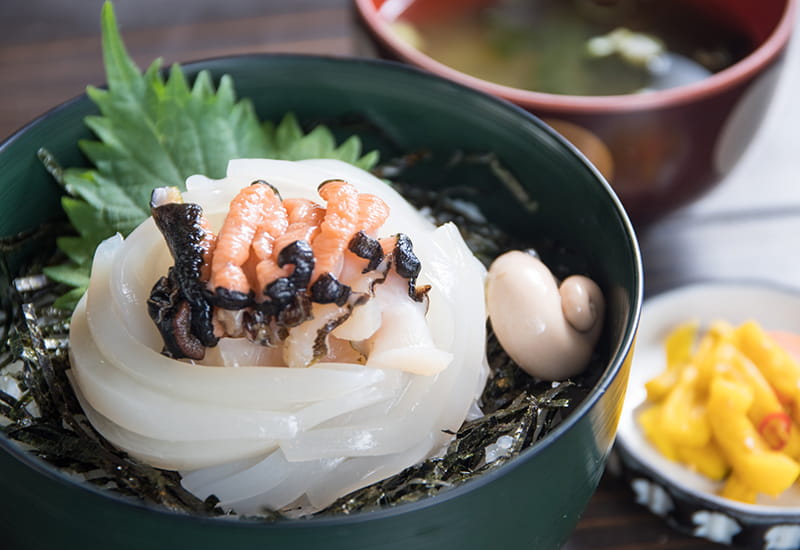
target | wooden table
[{"x": 747, "y": 228}]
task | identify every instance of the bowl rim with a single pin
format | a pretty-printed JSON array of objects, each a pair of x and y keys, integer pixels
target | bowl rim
[
  {"x": 629, "y": 451},
  {"x": 715, "y": 84},
  {"x": 616, "y": 363}
]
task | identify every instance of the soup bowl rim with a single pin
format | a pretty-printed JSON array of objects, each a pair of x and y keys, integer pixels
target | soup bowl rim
[{"x": 745, "y": 69}]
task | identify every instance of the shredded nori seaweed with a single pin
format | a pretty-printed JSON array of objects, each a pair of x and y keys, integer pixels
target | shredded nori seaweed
[
  {"x": 525, "y": 419},
  {"x": 46, "y": 418},
  {"x": 39, "y": 409}
]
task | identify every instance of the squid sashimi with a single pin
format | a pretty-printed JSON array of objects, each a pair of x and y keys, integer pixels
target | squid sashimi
[{"x": 282, "y": 336}]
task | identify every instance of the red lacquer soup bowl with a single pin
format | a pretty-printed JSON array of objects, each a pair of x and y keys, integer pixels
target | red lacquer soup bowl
[{"x": 659, "y": 150}]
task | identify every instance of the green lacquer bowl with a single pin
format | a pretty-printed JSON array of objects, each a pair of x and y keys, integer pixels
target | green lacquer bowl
[{"x": 536, "y": 499}]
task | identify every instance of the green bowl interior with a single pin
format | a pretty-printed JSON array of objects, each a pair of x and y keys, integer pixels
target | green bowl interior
[{"x": 568, "y": 209}]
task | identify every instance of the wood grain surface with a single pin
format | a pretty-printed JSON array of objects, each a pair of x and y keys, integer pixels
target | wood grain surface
[{"x": 747, "y": 228}]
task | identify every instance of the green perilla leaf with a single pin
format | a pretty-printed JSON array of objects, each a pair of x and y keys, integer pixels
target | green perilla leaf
[{"x": 154, "y": 131}]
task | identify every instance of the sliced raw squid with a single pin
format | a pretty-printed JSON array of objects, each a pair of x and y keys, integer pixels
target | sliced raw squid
[{"x": 359, "y": 385}]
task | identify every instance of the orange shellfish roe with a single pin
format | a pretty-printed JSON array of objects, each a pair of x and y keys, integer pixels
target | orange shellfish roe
[
  {"x": 260, "y": 224},
  {"x": 727, "y": 405}
]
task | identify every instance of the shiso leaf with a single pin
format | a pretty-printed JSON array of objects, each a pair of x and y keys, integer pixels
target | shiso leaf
[
  {"x": 70, "y": 299},
  {"x": 288, "y": 142},
  {"x": 155, "y": 130},
  {"x": 67, "y": 275}
]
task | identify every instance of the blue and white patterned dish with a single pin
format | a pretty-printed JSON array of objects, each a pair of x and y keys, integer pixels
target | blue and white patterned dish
[{"x": 685, "y": 499}]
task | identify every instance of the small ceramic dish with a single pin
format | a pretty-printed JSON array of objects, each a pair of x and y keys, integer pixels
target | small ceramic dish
[{"x": 687, "y": 500}]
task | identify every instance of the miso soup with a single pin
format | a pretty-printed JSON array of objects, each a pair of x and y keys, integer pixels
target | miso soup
[{"x": 580, "y": 47}]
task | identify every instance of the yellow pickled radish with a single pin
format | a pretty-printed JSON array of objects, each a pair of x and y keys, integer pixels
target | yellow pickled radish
[{"x": 767, "y": 471}]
